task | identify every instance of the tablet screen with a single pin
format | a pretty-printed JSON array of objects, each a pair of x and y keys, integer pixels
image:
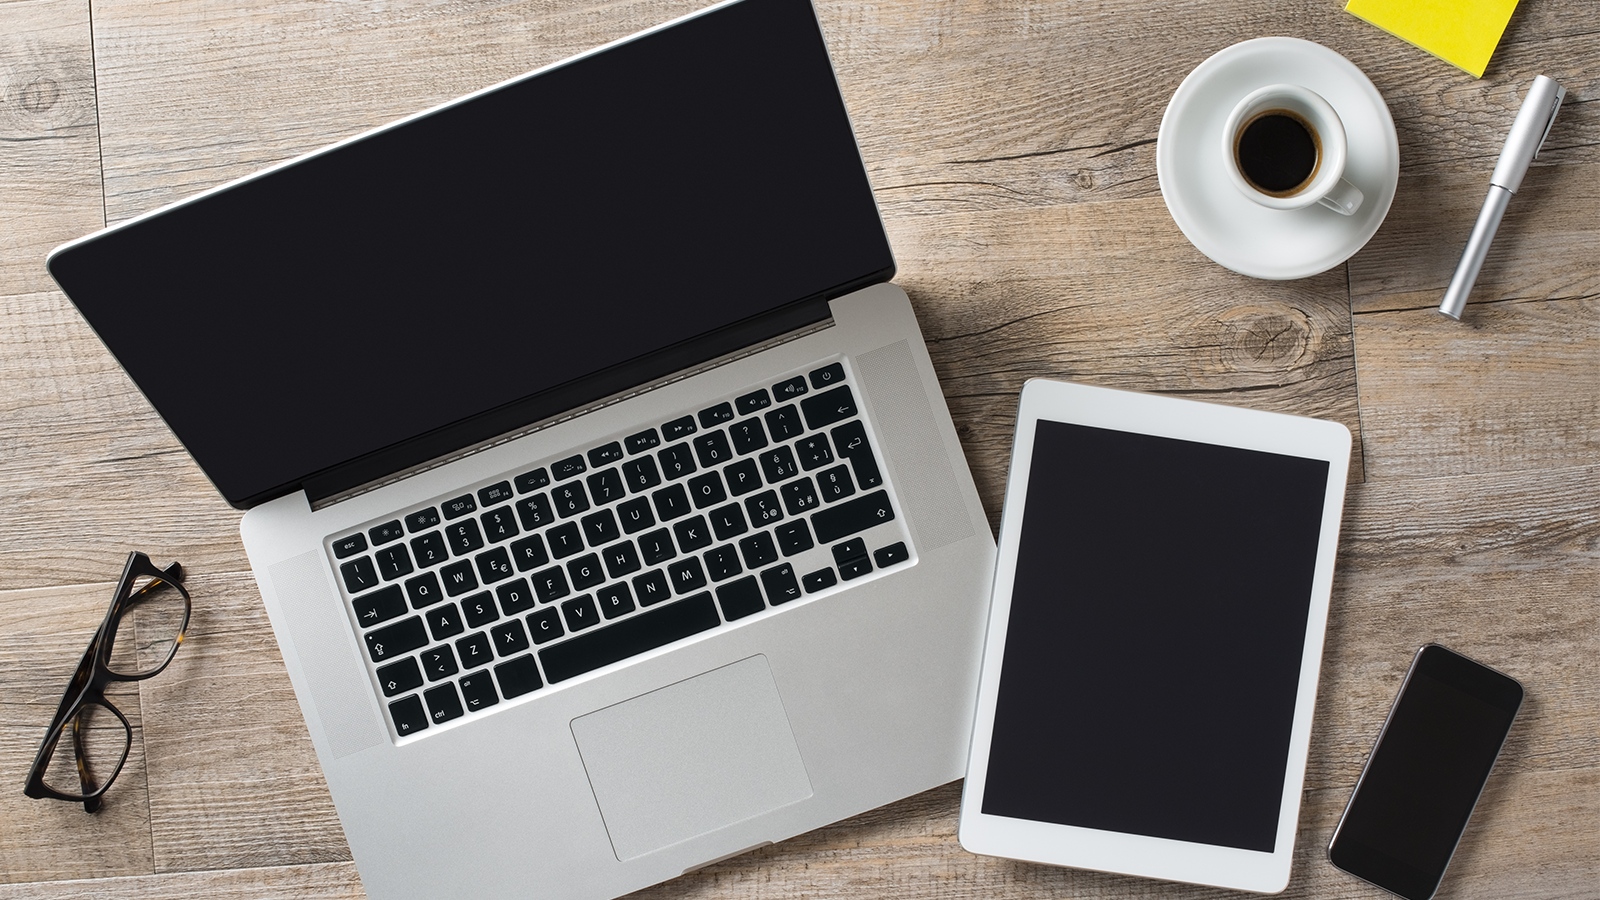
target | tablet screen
[{"x": 1157, "y": 626}]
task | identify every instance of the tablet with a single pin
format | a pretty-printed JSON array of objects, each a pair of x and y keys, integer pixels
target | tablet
[{"x": 1151, "y": 662}]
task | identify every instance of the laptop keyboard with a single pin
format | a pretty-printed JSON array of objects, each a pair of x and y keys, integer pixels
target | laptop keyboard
[{"x": 618, "y": 549}]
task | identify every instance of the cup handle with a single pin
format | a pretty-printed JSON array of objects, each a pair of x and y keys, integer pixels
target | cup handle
[{"x": 1344, "y": 199}]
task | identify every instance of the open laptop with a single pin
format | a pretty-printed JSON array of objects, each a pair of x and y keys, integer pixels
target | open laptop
[{"x": 601, "y": 493}]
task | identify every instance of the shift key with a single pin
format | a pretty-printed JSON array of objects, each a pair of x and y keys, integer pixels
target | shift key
[{"x": 850, "y": 517}]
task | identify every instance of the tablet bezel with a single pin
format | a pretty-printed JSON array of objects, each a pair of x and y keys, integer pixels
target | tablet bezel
[{"x": 1089, "y": 848}]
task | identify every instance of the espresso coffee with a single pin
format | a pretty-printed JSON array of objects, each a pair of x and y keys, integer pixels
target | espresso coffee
[{"x": 1278, "y": 152}]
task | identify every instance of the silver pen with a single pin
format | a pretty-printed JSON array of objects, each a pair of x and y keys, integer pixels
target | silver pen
[{"x": 1528, "y": 132}]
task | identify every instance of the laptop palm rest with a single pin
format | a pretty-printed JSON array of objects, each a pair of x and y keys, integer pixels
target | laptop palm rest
[{"x": 691, "y": 758}]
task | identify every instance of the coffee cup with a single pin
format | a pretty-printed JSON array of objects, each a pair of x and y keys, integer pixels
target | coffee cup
[{"x": 1284, "y": 147}]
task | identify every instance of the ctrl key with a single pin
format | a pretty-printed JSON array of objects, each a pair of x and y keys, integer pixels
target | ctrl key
[
  {"x": 443, "y": 703},
  {"x": 409, "y": 717}
]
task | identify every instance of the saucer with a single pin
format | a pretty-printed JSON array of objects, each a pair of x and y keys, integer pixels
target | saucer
[{"x": 1224, "y": 224}]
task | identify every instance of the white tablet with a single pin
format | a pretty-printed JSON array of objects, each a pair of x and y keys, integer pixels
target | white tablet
[{"x": 1151, "y": 661}]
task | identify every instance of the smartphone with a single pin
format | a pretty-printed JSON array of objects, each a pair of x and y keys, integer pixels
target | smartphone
[{"x": 1425, "y": 773}]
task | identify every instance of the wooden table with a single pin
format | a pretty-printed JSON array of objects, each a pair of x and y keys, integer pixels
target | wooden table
[{"x": 1012, "y": 144}]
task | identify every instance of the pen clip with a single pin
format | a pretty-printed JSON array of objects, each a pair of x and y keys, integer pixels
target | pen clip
[{"x": 1555, "y": 107}]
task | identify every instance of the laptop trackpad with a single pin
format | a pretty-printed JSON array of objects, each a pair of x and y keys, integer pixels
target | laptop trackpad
[{"x": 691, "y": 757}]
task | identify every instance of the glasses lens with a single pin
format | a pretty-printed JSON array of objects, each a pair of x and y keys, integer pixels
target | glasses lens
[
  {"x": 88, "y": 754},
  {"x": 153, "y": 621}
]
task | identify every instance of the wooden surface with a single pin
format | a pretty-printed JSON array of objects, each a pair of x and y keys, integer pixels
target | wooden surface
[{"x": 1012, "y": 146}]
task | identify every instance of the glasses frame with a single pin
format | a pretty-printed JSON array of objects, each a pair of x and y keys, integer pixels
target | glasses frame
[{"x": 94, "y": 673}]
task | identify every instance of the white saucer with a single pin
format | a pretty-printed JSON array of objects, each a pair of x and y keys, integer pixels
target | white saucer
[{"x": 1220, "y": 221}]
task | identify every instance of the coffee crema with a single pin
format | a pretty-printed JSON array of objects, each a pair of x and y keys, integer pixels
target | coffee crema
[{"x": 1278, "y": 152}]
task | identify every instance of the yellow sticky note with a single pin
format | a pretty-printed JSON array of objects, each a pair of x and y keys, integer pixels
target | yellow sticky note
[{"x": 1461, "y": 32}]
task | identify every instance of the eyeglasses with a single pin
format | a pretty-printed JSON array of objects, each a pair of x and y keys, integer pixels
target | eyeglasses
[{"x": 151, "y": 608}]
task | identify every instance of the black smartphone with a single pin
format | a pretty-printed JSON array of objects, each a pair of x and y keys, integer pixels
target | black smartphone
[{"x": 1425, "y": 773}]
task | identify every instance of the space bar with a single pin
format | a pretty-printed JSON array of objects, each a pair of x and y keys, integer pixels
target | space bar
[{"x": 630, "y": 637}]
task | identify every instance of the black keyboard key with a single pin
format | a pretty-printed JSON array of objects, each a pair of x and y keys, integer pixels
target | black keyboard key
[
  {"x": 393, "y": 561},
  {"x": 855, "y": 568},
  {"x": 819, "y": 580},
  {"x": 517, "y": 677},
  {"x": 780, "y": 584},
  {"x": 827, "y": 375},
  {"x": 852, "y": 516},
  {"x": 712, "y": 449},
  {"x": 824, "y": 409},
  {"x": 652, "y": 587},
  {"x": 641, "y": 474},
  {"x": 888, "y": 556},
  {"x": 728, "y": 522},
  {"x": 424, "y": 590},
  {"x": 463, "y": 537},
  {"x": 635, "y": 515},
  {"x": 686, "y": 575},
  {"x": 866, "y": 469},
  {"x": 600, "y": 528},
  {"x": 784, "y": 423},
  {"x": 531, "y": 481},
  {"x": 550, "y": 584},
  {"x": 586, "y": 572},
  {"x": 475, "y": 650},
  {"x": 579, "y": 613},
  {"x": 569, "y": 499},
  {"x": 394, "y": 640},
  {"x": 615, "y": 600},
  {"x": 763, "y": 508},
  {"x": 621, "y": 559},
  {"x": 706, "y": 489},
  {"x": 742, "y": 477},
  {"x": 758, "y": 550},
  {"x": 383, "y": 534},
  {"x": 422, "y": 520},
  {"x": 564, "y": 540},
  {"x": 606, "y": 455},
  {"x": 835, "y": 483},
  {"x": 443, "y": 703},
  {"x": 799, "y": 496},
  {"x": 349, "y": 546},
  {"x": 692, "y": 534},
  {"x": 678, "y": 428},
  {"x": 813, "y": 451},
  {"x": 794, "y": 537},
  {"x": 850, "y": 439},
  {"x": 509, "y": 637},
  {"x": 358, "y": 575},
  {"x": 494, "y": 494},
  {"x": 545, "y": 625},
  {"x": 478, "y": 691},
  {"x": 629, "y": 637},
  {"x": 529, "y": 553},
  {"x": 853, "y": 549},
  {"x": 747, "y": 436},
  {"x": 778, "y": 464},
  {"x": 753, "y": 401},
  {"x": 606, "y": 487},
  {"x": 789, "y": 388},
  {"x": 644, "y": 440},
  {"x": 671, "y": 502},
  {"x": 723, "y": 562},
  {"x": 460, "y": 506},
  {"x": 499, "y": 525},
  {"x": 656, "y": 547},
  {"x": 535, "y": 512},
  {"x": 380, "y": 606},
  {"x": 479, "y": 609},
  {"x": 397, "y": 678},
  {"x": 408, "y": 715},
  {"x": 429, "y": 549},
  {"x": 716, "y": 415},
  {"x": 458, "y": 578},
  {"x": 740, "y": 598},
  {"x": 515, "y": 597},
  {"x": 676, "y": 461},
  {"x": 570, "y": 467},
  {"x": 440, "y": 662},
  {"x": 494, "y": 565}
]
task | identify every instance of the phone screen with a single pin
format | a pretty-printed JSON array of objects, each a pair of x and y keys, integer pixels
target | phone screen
[{"x": 1425, "y": 774}]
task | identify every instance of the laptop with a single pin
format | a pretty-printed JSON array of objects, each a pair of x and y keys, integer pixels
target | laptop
[{"x": 600, "y": 491}]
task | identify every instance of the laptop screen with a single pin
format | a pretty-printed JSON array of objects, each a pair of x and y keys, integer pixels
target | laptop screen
[{"x": 550, "y": 230}]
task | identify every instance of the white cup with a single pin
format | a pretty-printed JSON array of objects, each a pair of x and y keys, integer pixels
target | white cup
[{"x": 1325, "y": 184}]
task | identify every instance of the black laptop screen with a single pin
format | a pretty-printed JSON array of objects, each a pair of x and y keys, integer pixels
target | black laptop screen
[{"x": 521, "y": 241}]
